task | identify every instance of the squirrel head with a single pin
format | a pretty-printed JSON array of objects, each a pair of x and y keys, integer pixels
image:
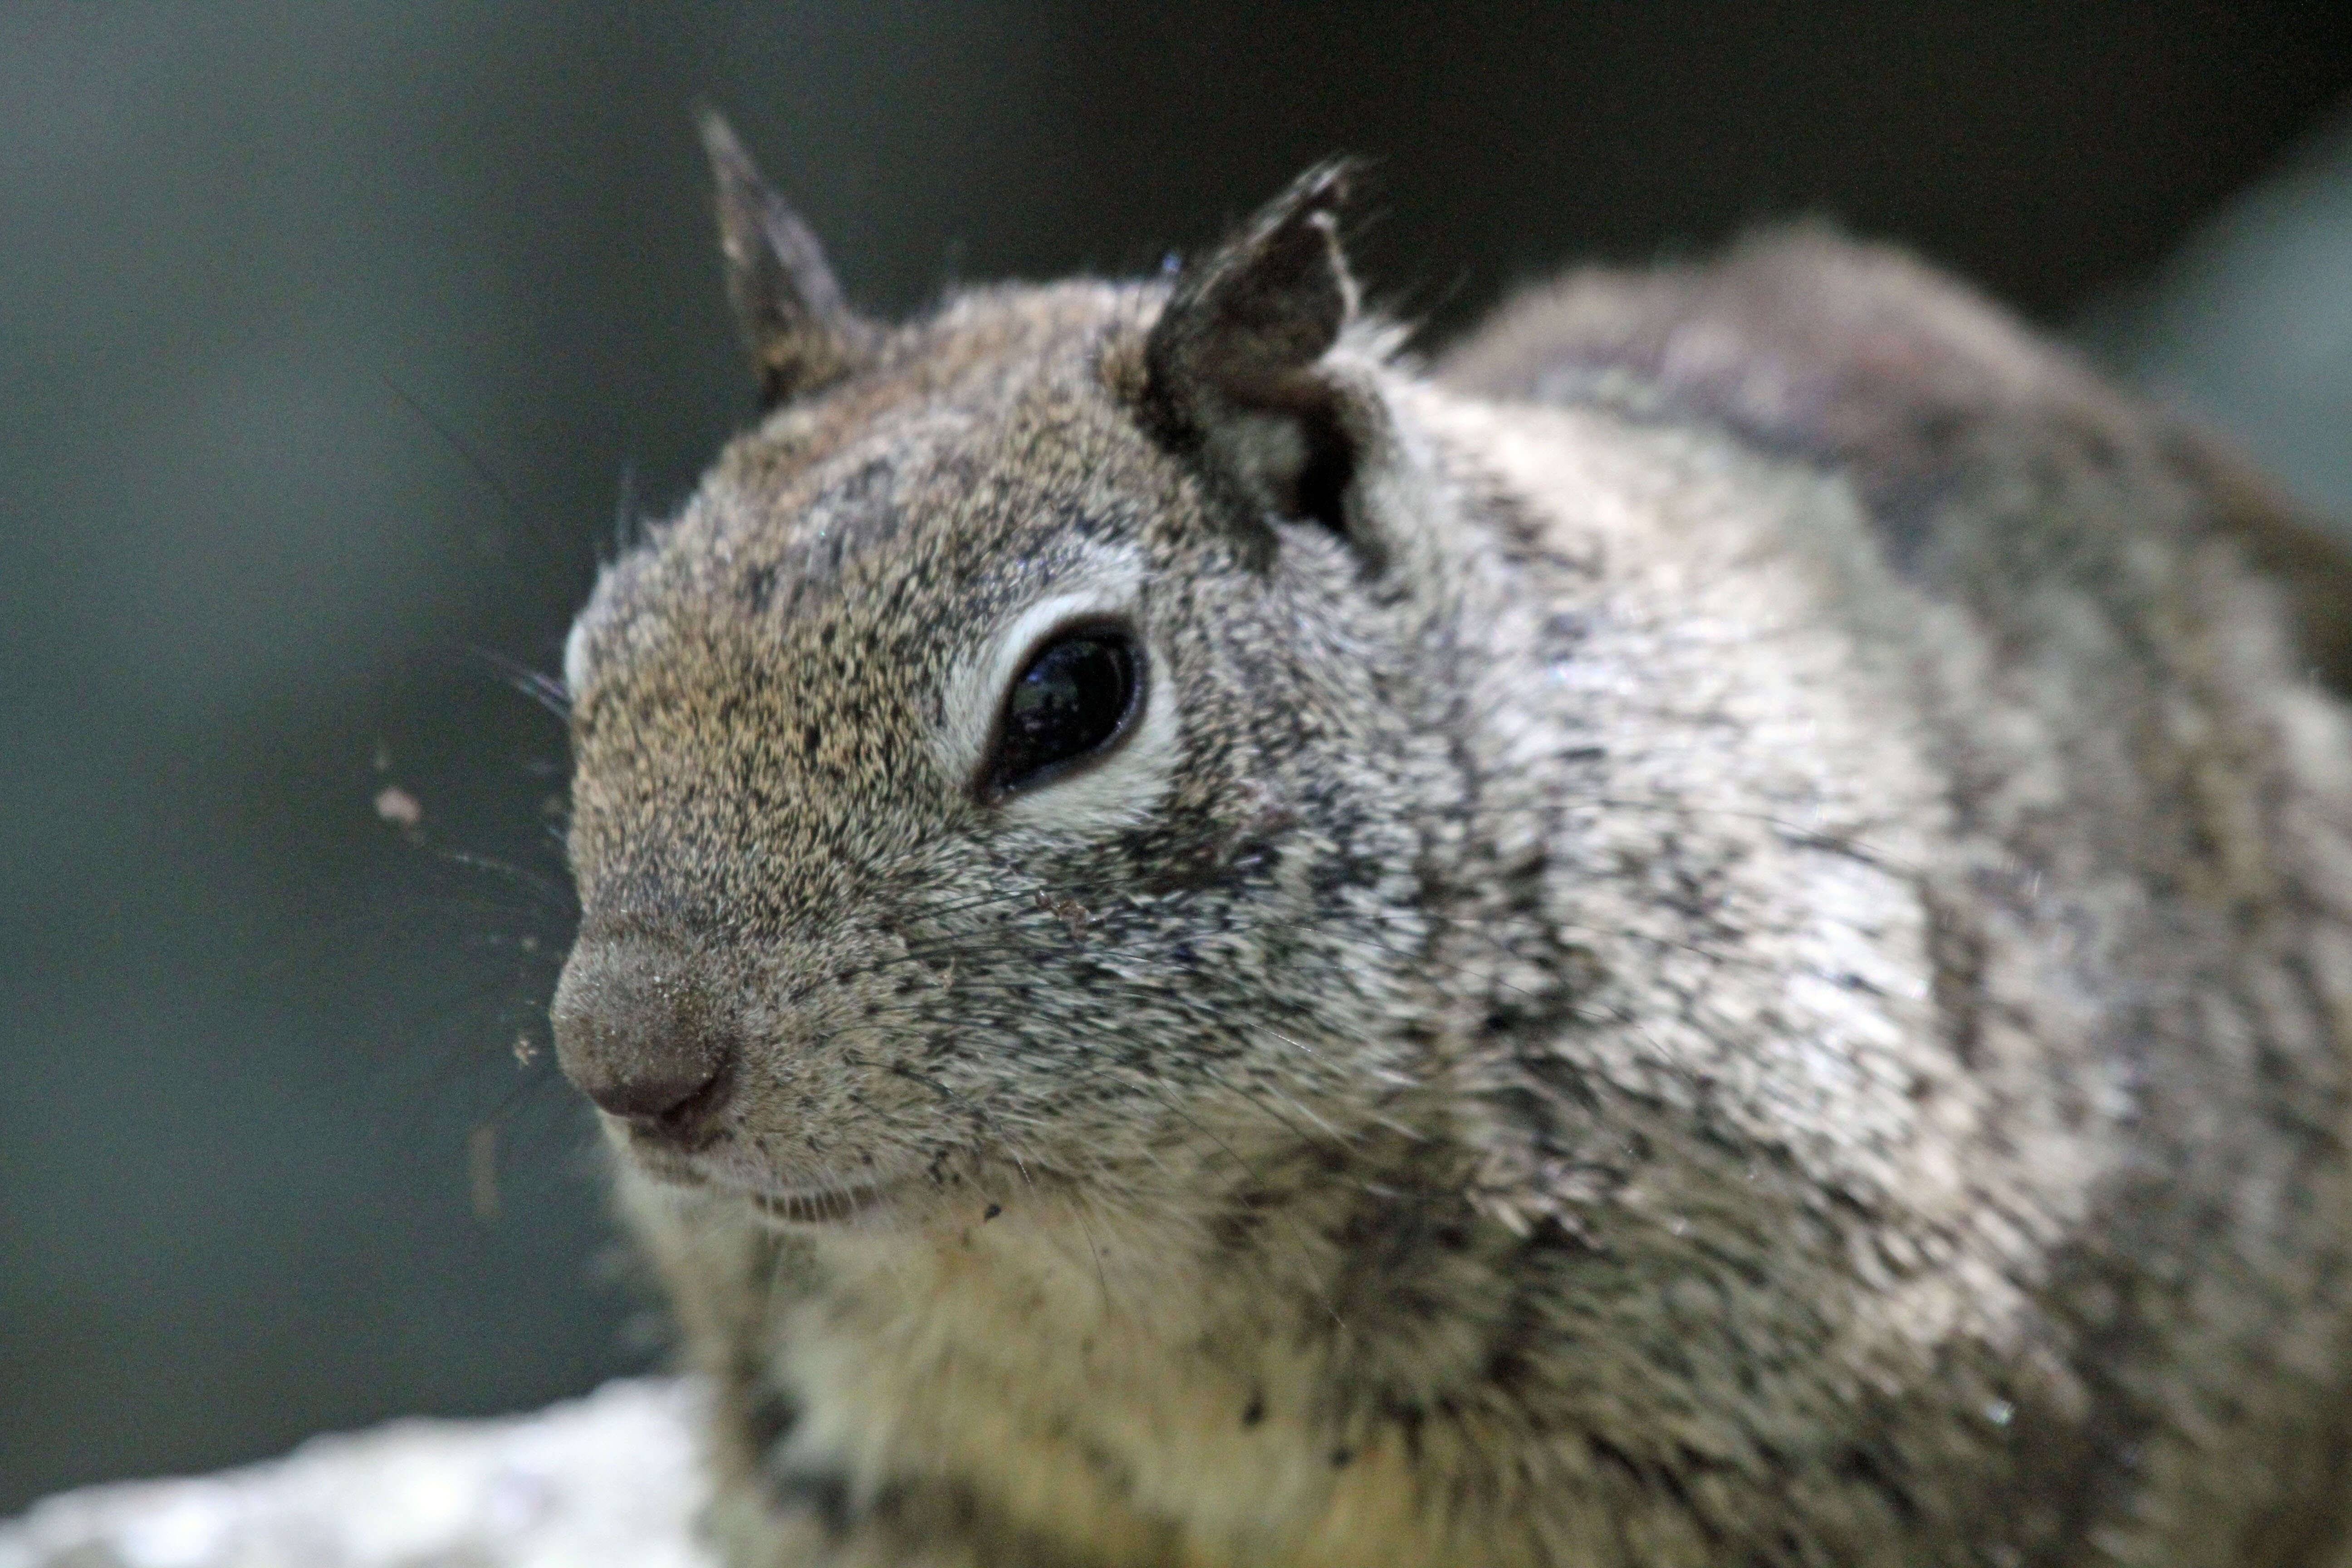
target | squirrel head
[{"x": 1021, "y": 761}]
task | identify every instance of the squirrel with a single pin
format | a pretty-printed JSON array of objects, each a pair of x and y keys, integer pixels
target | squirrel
[{"x": 1714, "y": 928}]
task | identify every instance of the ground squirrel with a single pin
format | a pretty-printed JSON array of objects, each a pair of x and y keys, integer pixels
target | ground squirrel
[{"x": 1717, "y": 930}]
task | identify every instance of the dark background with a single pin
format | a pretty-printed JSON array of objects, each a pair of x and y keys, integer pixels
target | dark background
[{"x": 330, "y": 341}]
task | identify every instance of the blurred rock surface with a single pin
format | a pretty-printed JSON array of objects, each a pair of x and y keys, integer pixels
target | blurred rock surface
[{"x": 604, "y": 1480}]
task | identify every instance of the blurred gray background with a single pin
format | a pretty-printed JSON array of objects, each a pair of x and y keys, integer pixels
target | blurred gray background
[{"x": 332, "y": 339}]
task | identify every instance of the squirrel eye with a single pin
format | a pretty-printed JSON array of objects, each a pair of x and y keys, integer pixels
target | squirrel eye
[{"x": 1074, "y": 698}]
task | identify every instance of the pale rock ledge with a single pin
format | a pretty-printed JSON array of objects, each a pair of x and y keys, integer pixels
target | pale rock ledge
[{"x": 609, "y": 1480}]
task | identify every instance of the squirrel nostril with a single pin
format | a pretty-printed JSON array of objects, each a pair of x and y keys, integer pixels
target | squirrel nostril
[
  {"x": 692, "y": 1110},
  {"x": 665, "y": 1100}
]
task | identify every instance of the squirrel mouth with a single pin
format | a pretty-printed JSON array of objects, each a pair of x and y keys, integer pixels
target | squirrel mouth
[
  {"x": 827, "y": 1206},
  {"x": 821, "y": 1204}
]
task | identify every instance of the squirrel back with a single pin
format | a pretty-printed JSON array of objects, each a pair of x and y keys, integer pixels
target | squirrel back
[{"x": 1720, "y": 935}]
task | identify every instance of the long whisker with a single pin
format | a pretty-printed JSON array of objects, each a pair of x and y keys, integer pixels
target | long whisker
[
  {"x": 542, "y": 689},
  {"x": 556, "y": 549},
  {"x": 557, "y": 895}
]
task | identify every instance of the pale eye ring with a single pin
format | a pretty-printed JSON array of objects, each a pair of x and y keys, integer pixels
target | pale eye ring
[{"x": 1074, "y": 700}]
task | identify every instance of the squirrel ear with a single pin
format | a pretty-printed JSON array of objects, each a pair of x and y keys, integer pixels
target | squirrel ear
[
  {"x": 1231, "y": 366},
  {"x": 801, "y": 332}
]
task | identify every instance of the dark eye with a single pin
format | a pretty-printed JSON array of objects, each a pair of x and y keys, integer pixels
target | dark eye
[{"x": 1075, "y": 697}]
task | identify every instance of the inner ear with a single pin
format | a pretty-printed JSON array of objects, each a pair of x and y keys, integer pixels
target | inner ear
[
  {"x": 1233, "y": 367},
  {"x": 1319, "y": 493},
  {"x": 1293, "y": 463}
]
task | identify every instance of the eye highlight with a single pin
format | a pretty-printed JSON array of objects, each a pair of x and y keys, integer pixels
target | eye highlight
[{"x": 1076, "y": 698}]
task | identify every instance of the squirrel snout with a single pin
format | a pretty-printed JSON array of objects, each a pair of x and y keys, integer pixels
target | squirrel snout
[{"x": 638, "y": 1031}]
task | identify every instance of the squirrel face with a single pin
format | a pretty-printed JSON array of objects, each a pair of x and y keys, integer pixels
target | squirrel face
[{"x": 997, "y": 772}]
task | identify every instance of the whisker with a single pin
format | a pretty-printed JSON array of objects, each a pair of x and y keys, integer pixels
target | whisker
[
  {"x": 557, "y": 895},
  {"x": 628, "y": 524},
  {"x": 1102, "y": 1275},
  {"x": 556, "y": 548},
  {"x": 542, "y": 689}
]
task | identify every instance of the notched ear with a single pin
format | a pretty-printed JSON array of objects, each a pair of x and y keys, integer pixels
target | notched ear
[
  {"x": 1233, "y": 367},
  {"x": 803, "y": 335}
]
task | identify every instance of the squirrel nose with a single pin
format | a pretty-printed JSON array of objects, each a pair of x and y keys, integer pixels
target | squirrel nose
[{"x": 638, "y": 1031}]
